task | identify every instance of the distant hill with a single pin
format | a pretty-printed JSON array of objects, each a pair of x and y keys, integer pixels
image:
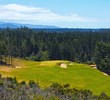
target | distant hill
[
  {"x": 47, "y": 28},
  {"x": 16, "y": 25},
  {"x": 5, "y": 25},
  {"x": 61, "y": 30}
]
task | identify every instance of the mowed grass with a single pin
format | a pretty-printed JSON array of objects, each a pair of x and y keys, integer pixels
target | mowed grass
[{"x": 79, "y": 76}]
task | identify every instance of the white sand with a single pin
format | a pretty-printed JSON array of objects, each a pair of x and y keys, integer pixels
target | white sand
[
  {"x": 71, "y": 63},
  {"x": 17, "y": 67},
  {"x": 63, "y": 65},
  {"x": 105, "y": 74}
]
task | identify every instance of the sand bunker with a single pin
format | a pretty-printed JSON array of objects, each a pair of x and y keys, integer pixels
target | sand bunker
[
  {"x": 105, "y": 74},
  {"x": 93, "y": 66},
  {"x": 17, "y": 67},
  {"x": 71, "y": 63},
  {"x": 63, "y": 65}
]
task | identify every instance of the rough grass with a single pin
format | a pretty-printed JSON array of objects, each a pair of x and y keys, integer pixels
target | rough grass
[{"x": 79, "y": 76}]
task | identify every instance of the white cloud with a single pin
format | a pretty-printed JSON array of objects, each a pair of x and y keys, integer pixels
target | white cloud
[{"x": 16, "y": 13}]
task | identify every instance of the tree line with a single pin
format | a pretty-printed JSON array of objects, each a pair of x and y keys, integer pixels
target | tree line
[{"x": 74, "y": 46}]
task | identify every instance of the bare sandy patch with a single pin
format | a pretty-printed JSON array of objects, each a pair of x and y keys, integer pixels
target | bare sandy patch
[
  {"x": 71, "y": 63},
  {"x": 17, "y": 67},
  {"x": 93, "y": 66},
  {"x": 63, "y": 65},
  {"x": 6, "y": 68},
  {"x": 106, "y": 74}
]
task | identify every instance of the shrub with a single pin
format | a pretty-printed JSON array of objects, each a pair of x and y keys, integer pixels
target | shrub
[
  {"x": 10, "y": 85},
  {"x": 34, "y": 58},
  {"x": 9, "y": 78},
  {"x": 57, "y": 88},
  {"x": 27, "y": 58},
  {"x": 90, "y": 63},
  {"x": 1, "y": 82},
  {"x": 103, "y": 96},
  {"x": 14, "y": 80},
  {"x": 84, "y": 63},
  {"x": 31, "y": 83},
  {"x": 23, "y": 83},
  {"x": 66, "y": 85},
  {"x": 0, "y": 75},
  {"x": 78, "y": 62},
  {"x": 54, "y": 85}
]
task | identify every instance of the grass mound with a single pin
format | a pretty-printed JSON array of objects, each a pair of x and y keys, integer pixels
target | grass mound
[{"x": 79, "y": 76}]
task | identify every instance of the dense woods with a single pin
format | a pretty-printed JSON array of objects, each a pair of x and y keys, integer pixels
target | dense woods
[{"x": 84, "y": 47}]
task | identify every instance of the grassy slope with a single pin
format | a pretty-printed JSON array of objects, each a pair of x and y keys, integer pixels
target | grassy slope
[{"x": 47, "y": 72}]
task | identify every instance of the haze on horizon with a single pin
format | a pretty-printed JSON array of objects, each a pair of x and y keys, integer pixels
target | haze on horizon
[{"x": 62, "y": 13}]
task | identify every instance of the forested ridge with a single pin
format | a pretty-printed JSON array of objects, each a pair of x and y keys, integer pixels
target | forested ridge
[{"x": 76, "y": 46}]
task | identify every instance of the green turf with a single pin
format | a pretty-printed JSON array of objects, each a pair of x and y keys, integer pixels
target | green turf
[{"x": 79, "y": 76}]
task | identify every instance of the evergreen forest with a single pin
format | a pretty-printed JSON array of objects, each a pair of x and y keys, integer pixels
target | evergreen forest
[{"x": 82, "y": 47}]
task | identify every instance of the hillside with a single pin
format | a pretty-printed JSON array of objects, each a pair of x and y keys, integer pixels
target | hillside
[
  {"x": 85, "y": 47},
  {"x": 79, "y": 76}
]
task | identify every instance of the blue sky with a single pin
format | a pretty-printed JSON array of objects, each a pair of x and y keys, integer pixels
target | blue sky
[{"x": 63, "y": 13}]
